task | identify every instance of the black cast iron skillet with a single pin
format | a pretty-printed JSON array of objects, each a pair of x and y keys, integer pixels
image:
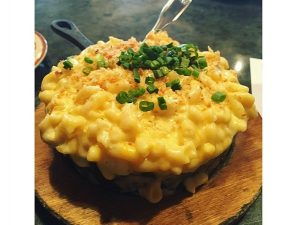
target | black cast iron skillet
[{"x": 68, "y": 30}]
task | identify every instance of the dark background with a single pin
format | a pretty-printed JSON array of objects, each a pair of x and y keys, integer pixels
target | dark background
[{"x": 234, "y": 27}]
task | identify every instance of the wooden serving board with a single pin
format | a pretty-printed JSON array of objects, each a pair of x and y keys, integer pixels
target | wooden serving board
[{"x": 72, "y": 199}]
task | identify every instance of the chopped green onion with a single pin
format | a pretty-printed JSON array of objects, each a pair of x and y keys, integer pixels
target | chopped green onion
[
  {"x": 196, "y": 73},
  {"x": 136, "y": 76},
  {"x": 149, "y": 80},
  {"x": 171, "y": 53},
  {"x": 158, "y": 74},
  {"x": 86, "y": 70},
  {"x": 174, "y": 84},
  {"x": 147, "y": 63},
  {"x": 143, "y": 46},
  {"x": 137, "y": 92},
  {"x": 170, "y": 83},
  {"x": 164, "y": 70},
  {"x": 140, "y": 91},
  {"x": 175, "y": 61},
  {"x": 218, "y": 97},
  {"x": 184, "y": 62},
  {"x": 102, "y": 63},
  {"x": 202, "y": 62},
  {"x": 151, "y": 89},
  {"x": 130, "y": 51},
  {"x": 150, "y": 53},
  {"x": 131, "y": 99},
  {"x": 157, "y": 49},
  {"x": 146, "y": 106},
  {"x": 122, "y": 97},
  {"x": 142, "y": 57},
  {"x": 124, "y": 57},
  {"x": 100, "y": 57},
  {"x": 184, "y": 71},
  {"x": 162, "y": 103},
  {"x": 154, "y": 64},
  {"x": 135, "y": 64},
  {"x": 195, "y": 51},
  {"x": 189, "y": 50},
  {"x": 161, "y": 61},
  {"x": 133, "y": 94},
  {"x": 88, "y": 60},
  {"x": 177, "y": 49},
  {"x": 168, "y": 60},
  {"x": 170, "y": 45},
  {"x": 67, "y": 64},
  {"x": 138, "y": 60},
  {"x": 125, "y": 65}
]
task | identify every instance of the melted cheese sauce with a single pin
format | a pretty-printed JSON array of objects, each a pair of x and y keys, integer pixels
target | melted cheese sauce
[{"x": 84, "y": 119}]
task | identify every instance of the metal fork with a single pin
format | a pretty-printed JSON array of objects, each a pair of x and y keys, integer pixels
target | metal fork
[{"x": 171, "y": 11}]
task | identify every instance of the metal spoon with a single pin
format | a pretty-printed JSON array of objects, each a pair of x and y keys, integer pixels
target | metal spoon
[{"x": 171, "y": 11}]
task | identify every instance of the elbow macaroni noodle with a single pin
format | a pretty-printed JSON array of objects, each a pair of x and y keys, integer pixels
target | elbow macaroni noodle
[{"x": 84, "y": 120}]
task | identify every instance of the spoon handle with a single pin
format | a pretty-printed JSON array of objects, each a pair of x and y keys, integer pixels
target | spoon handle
[{"x": 170, "y": 13}]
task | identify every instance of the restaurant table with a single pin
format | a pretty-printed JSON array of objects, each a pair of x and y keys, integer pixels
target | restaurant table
[{"x": 234, "y": 27}]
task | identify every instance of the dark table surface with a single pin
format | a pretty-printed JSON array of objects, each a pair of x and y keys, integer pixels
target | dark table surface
[{"x": 234, "y": 27}]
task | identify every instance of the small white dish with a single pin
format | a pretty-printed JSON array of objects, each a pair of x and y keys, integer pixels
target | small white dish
[{"x": 40, "y": 48}]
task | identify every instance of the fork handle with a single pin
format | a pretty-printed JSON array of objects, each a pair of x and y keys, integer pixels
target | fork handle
[{"x": 171, "y": 11}]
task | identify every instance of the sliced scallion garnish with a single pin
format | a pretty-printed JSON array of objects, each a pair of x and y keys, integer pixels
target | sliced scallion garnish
[
  {"x": 151, "y": 89},
  {"x": 196, "y": 73},
  {"x": 136, "y": 76},
  {"x": 162, "y": 103},
  {"x": 184, "y": 71},
  {"x": 136, "y": 92},
  {"x": 68, "y": 64},
  {"x": 88, "y": 60},
  {"x": 87, "y": 70},
  {"x": 201, "y": 61},
  {"x": 101, "y": 63},
  {"x": 164, "y": 70},
  {"x": 146, "y": 106},
  {"x": 158, "y": 74},
  {"x": 154, "y": 64},
  {"x": 184, "y": 62},
  {"x": 184, "y": 59},
  {"x": 149, "y": 80},
  {"x": 122, "y": 97},
  {"x": 174, "y": 84},
  {"x": 218, "y": 97}
]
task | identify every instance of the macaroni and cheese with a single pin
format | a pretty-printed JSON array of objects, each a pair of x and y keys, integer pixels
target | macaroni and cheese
[{"x": 85, "y": 119}]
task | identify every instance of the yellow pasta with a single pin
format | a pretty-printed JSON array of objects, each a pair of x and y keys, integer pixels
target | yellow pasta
[{"x": 85, "y": 121}]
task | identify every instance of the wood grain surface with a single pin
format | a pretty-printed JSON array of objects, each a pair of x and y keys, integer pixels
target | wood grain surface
[{"x": 74, "y": 200}]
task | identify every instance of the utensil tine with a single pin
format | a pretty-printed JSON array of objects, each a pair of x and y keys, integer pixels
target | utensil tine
[{"x": 171, "y": 11}]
